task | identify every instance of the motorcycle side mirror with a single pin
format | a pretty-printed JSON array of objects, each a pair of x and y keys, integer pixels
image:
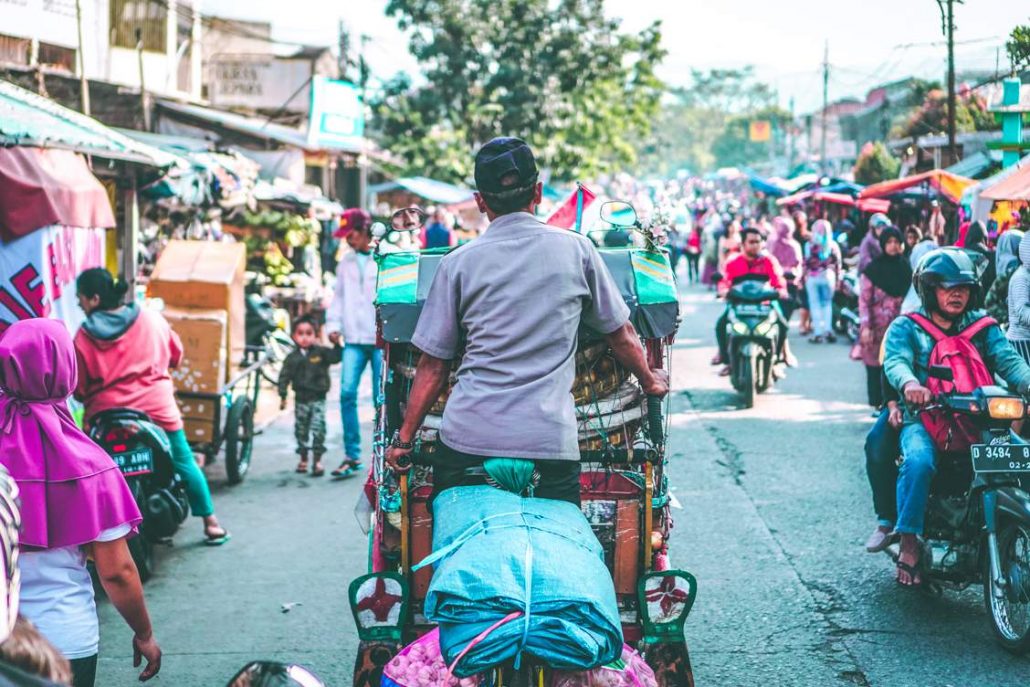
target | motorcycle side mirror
[
  {"x": 275, "y": 674},
  {"x": 619, "y": 213},
  {"x": 408, "y": 219}
]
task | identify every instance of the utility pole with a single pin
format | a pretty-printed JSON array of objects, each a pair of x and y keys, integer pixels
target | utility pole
[
  {"x": 142, "y": 82},
  {"x": 83, "y": 82},
  {"x": 826, "y": 107},
  {"x": 947, "y": 8},
  {"x": 791, "y": 131}
]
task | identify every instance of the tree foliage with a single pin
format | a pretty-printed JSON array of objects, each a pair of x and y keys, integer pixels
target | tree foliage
[
  {"x": 694, "y": 118},
  {"x": 558, "y": 74},
  {"x": 932, "y": 116},
  {"x": 875, "y": 164},
  {"x": 1018, "y": 47}
]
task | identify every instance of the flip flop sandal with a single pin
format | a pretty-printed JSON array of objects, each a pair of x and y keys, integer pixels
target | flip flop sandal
[
  {"x": 302, "y": 468},
  {"x": 216, "y": 539},
  {"x": 318, "y": 472},
  {"x": 346, "y": 469},
  {"x": 913, "y": 571}
]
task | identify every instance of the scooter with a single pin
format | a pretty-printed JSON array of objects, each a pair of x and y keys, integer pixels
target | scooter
[
  {"x": 753, "y": 336},
  {"x": 274, "y": 674},
  {"x": 977, "y": 527},
  {"x": 846, "y": 321},
  {"x": 142, "y": 452}
]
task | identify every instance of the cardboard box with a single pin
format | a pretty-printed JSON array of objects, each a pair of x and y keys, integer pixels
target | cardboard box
[
  {"x": 199, "y": 431},
  {"x": 203, "y": 368},
  {"x": 207, "y": 275},
  {"x": 196, "y": 408}
]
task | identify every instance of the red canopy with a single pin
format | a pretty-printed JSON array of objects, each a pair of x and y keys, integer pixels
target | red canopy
[
  {"x": 874, "y": 205},
  {"x": 44, "y": 186},
  {"x": 949, "y": 185}
]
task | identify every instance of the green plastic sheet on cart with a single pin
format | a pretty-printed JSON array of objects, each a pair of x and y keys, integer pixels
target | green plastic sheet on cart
[
  {"x": 398, "y": 278},
  {"x": 654, "y": 280},
  {"x": 644, "y": 279}
]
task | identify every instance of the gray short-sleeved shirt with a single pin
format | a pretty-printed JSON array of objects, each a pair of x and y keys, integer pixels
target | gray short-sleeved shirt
[{"x": 516, "y": 297}]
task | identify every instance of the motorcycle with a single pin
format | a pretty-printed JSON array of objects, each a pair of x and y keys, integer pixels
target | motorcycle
[
  {"x": 142, "y": 452},
  {"x": 267, "y": 330},
  {"x": 845, "y": 307},
  {"x": 753, "y": 336},
  {"x": 977, "y": 527},
  {"x": 274, "y": 674}
]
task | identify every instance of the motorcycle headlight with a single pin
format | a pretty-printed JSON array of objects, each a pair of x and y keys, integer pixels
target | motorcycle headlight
[
  {"x": 740, "y": 328},
  {"x": 763, "y": 328},
  {"x": 1008, "y": 408}
]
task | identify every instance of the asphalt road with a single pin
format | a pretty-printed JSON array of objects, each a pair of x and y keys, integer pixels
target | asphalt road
[{"x": 775, "y": 511}]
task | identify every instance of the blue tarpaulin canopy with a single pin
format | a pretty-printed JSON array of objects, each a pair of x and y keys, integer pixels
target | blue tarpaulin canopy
[
  {"x": 423, "y": 187},
  {"x": 765, "y": 186}
]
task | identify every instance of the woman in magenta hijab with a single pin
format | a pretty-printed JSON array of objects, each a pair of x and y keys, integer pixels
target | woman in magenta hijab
[{"x": 74, "y": 503}]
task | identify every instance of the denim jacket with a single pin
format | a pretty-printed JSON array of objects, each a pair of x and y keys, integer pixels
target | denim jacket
[{"x": 908, "y": 346}]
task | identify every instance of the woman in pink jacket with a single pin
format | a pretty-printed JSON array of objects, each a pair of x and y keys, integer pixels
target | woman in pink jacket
[{"x": 124, "y": 353}]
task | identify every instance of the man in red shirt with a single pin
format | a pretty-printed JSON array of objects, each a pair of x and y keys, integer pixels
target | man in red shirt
[{"x": 752, "y": 261}]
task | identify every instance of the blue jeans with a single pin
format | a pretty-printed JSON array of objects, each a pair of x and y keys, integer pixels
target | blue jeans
[
  {"x": 356, "y": 358},
  {"x": 914, "y": 477},
  {"x": 881, "y": 453},
  {"x": 820, "y": 303}
]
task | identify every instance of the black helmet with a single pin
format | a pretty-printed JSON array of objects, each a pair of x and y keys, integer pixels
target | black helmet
[{"x": 947, "y": 268}]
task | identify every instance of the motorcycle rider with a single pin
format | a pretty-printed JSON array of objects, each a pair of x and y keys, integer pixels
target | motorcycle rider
[
  {"x": 509, "y": 305},
  {"x": 753, "y": 261},
  {"x": 947, "y": 283}
]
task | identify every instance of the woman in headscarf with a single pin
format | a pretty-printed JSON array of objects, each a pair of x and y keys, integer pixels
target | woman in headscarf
[
  {"x": 1006, "y": 263},
  {"x": 74, "y": 502},
  {"x": 822, "y": 272},
  {"x": 802, "y": 235},
  {"x": 870, "y": 249},
  {"x": 883, "y": 286},
  {"x": 787, "y": 251},
  {"x": 976, "y": 242},
  {"x": 1019, "y": 301}
]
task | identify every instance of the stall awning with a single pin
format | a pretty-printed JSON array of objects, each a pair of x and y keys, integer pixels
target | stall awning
[
  {"x": 976, "y": 166},
  {"x": 27, "y": 119},
  {"x": 40, "y": 187},
  {"x": 873, "y": 205},
  {"x": 947, "y": 184},
  {"x": 430, "y": 189},
  {"x": 1015, "y": 187}
]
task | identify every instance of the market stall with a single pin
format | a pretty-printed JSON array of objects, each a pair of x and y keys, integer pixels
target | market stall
[{"x": 911, "y": 196}]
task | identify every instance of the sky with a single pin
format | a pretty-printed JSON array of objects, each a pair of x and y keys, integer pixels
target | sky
[{"x": 870, "y": 41}]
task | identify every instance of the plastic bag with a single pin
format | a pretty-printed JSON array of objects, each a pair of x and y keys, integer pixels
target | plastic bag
[
  {"x": 420, "y": 664},
  {"x": 630, "y": 671}
]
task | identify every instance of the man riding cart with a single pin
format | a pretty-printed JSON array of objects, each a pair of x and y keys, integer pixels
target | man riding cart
[{"x": 480, "y": 393}]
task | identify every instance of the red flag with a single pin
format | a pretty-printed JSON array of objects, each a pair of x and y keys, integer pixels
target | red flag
[{"x": 569, "y": 214}]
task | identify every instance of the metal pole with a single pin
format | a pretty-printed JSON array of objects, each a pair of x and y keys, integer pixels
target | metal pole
[
  {"x": 826, "y": 105},
  {"x": 952, "y": 104},
  {"x": 83, "y": 82}
]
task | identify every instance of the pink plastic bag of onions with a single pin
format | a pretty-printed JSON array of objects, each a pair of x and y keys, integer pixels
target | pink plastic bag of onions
[
  {"x": 634, "y": 672},
  {"x": 420, "y": 664}
]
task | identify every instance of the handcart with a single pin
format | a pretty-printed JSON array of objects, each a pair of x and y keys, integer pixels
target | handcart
[
  {"x": 232, "y": 416},
  {"x": 625, "y": 492}
]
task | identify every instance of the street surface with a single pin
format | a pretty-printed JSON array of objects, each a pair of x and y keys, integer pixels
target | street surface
[{"x": 776, "y": 509}]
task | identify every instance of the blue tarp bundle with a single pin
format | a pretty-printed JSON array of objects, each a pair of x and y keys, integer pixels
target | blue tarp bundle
[{"x": 497, "y": 553}]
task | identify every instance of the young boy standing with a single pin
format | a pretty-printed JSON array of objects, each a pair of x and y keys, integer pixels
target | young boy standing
[{"x": 306, "y": 368}]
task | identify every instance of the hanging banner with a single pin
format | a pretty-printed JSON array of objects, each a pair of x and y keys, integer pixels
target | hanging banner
[
  {"x": 760, "y": 130},
  {"x": 38, "y": 273}
]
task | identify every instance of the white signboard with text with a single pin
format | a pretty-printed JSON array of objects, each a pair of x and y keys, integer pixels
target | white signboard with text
[{"x": 260, "y": 84}]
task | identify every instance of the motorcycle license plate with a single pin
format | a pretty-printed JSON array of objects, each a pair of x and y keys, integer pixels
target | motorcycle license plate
[
  {"x": 138, "y": 461},
  {"x": 1001, "y": 458},
  {"x": 751, "y": 309}
]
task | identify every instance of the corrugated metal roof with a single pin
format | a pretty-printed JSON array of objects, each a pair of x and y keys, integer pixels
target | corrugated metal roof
[
  {"x": 27, "y": 119},
  {"x": 430, "y": 189},
  {"x": 256, "y": 127}
]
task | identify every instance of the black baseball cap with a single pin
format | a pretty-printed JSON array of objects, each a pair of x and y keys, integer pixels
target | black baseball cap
[{"x": 499, "y": 158}]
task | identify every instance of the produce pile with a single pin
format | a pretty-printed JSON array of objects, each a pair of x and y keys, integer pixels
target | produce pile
[{"x": 272, "y": 232}]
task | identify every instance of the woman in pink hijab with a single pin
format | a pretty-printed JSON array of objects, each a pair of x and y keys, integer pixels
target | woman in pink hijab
[{"x": 74, "y": 503}]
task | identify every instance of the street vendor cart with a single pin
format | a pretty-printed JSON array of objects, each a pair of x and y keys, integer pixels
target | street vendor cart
[
  {"x": 625, "y": 492},
  {"x": 217, "y": 383}
]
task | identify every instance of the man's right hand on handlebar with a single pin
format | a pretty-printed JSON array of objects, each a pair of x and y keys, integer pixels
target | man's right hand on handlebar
[
  {"x": 917, "y": 395},
  {"x": 658, "y": 385}
]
